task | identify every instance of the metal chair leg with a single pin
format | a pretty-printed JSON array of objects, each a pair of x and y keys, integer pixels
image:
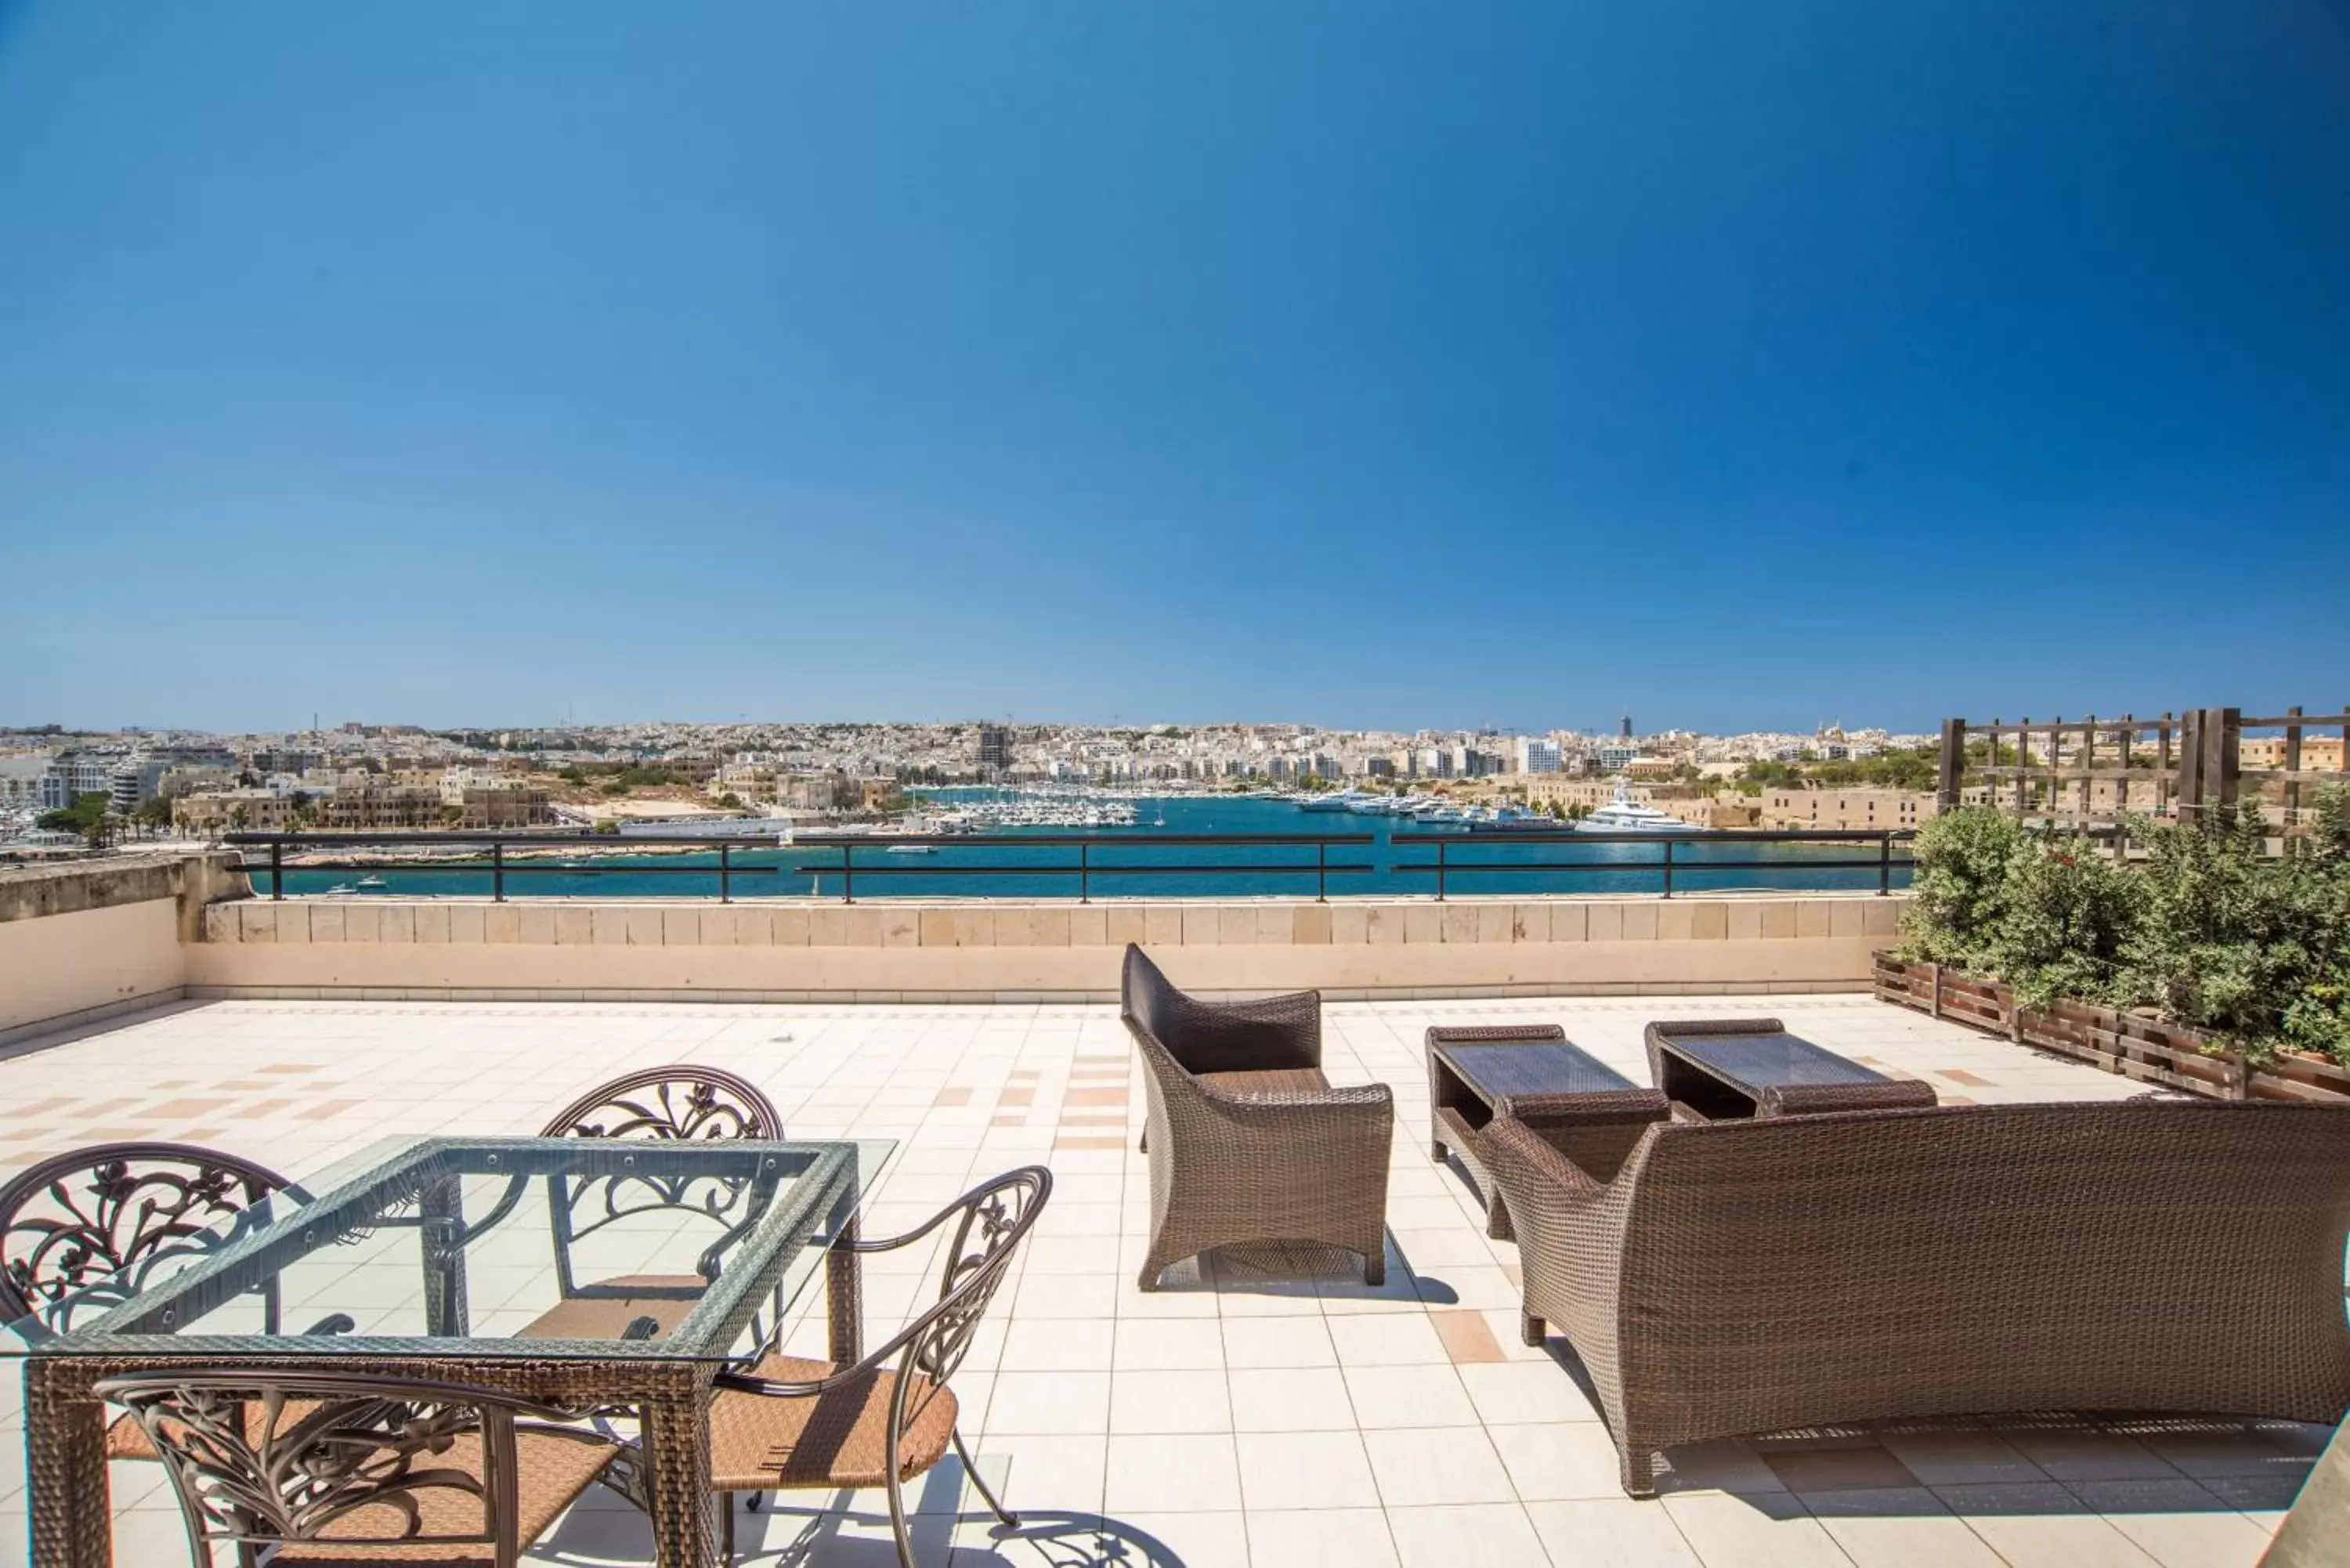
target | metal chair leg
[
  {"x": 897, "y": 1521},
  {"x": 971, "y": 1469}
]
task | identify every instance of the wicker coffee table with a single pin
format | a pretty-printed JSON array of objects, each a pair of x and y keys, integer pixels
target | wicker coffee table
[
  {"x": 1719, "y": 1069},
  {"x": 1474, "y": 1072}
]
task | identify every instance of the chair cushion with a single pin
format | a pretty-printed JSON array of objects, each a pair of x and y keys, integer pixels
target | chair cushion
[
  {"x": 127, "y": 1440},
  {"x": 554, "y": 1466},
  {"x": 605, "y": 1309},
  {"x": 834, "y": 1439},
  {"x": 1281, "y": 1081}
]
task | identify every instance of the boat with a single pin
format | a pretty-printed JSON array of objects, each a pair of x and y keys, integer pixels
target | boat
[
  {"x": 1623, "y": 814},
  {"x": 371, "y": 884},
  {"x": 909, "y": 849},
  {"x": 340, "y": 888},
  {"x": 1338, "y": 800}
]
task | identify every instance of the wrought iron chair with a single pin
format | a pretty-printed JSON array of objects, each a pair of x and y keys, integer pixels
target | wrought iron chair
[
  {"x": 84, "y": 1231},
  {"x": 311, "y": 1467},
  {"x": 679, "y": 1102},
  {"x": 791, "y": 1423}
]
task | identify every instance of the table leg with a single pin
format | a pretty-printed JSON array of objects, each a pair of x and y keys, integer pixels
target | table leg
[
  {"x": 71, "y": 1519},
  {"x": 443, "y": 1232},
  {"x": 844, "y": 1304},
  {"x": 678, "y": 1502}
]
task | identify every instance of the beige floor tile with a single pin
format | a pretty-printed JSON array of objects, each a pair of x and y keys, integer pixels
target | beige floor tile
[
  {"x": 1386, "y": 1340},
  {"x": 1277, "y": 1342},
  {"x": 2179, "y": 1523},
  {"x": 1474, "y": 1535},
  {"x": 1181, "y": 1345},
  {"x": 1169, "y": 1402},
  {"x": 1425, "y": 1467},
  {"x": 1305, "y": 1470},
  {"x": 1512, "y": 1391},
  {"x": 1081, "y": 1345},
  {"x": 1613, "y": 1532},
  {"x": 1048, "y": 1402},
  {"x": 1194, "y": 1538},
  {"x": 1894, "y": 1527},
  {"x": 1960, "y": 1459},
  {"x": 1319, "y": 1538},
  {"x": 1290, "y": 1399},
  {"x": 1759, "y": 1530},
  {"x": 2085, "y": 1455},
  {"x": 1555, "y": 1460},
  {"x": 1172, "y": 1474},
  {"x": 1408, "y": 1397},
  {"x": 2042, "y": 1526}
]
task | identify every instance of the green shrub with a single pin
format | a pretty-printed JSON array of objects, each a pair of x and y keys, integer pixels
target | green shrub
[
  {"x": 2234, "y": 941},
  {"x": 2067, "y": 913},
  {"x": 1958, "y": 895}
]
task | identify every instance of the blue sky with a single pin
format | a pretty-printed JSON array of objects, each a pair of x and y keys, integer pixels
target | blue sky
[{"x": 1354, "y": 362}]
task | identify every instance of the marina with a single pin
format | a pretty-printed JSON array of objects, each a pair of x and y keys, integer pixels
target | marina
[{"x": 1171, "y": 846}]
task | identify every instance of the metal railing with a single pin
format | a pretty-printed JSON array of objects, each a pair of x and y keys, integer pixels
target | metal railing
[
  {"x": 1082, "y": 857},
  {"x": 1445, "y": 865},
  {"x": 499, "y": 866}
]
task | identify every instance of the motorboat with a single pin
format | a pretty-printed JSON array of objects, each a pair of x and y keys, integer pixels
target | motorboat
[
  {"x": 1338, "y": 800},
  {"x": 372, "y": 884},
  {"x": 1623, "y": 814}
]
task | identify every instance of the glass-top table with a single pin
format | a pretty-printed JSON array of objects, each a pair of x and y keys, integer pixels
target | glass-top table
[
  {"x": 602, "y": 1272},
  {"x": 1766, "y": 1073}
]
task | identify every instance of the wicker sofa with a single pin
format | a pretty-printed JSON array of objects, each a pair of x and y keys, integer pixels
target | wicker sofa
[
  {"x": 1741, "y": 1277},
  {"x": 1248, "y": 1141}
]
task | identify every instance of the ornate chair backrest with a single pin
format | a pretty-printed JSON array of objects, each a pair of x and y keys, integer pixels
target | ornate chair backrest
[
  {"x": 262, "y": 1457},
  {"x": 991, "y": 1220},
  {"x": 682, "y": 1102},
  {"x": 84, "y": 1231}
]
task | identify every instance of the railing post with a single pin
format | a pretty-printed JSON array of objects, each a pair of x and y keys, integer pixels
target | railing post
[
  {"x": 1884, "y": 866},
  {"x": 1085, "y": 871},
  {"x": 277, "y": 868},
  {"x": 1668, "y": 867},
  {"x": 498, "y": 870},
  {"x": 725, "y": 875},
  {"x": 1321, "y": 871},
  {"x": 848, "y": 873},
  {"x": 1953, "y": 764},
  {"x": 1441, "y": 845}
]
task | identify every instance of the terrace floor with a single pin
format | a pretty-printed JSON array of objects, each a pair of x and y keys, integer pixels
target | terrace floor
[{"x": 1228, "y": 1422}]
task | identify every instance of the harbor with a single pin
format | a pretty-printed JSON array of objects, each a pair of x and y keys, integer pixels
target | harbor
[{"x": 971, "y": 844}]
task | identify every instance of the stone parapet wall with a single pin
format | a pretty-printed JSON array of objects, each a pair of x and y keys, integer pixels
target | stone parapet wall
[{"x": 904, "y": 949}]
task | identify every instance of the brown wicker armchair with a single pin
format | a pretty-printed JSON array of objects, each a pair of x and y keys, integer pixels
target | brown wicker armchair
[
  {"x": 794, "y": 1424},
  {"x": 351, "y": 1468},
  {"x": 680, "y": 1101},
  {"x": 1248, "y": 1141},
  {"x": 1750, "y": 1276}
]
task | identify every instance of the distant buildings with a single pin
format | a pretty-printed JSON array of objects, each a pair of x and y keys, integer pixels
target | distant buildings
[{"x": 994, "y": 749}]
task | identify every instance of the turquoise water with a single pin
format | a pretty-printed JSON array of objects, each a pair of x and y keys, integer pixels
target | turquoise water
[{"x": 958, "y": 871}]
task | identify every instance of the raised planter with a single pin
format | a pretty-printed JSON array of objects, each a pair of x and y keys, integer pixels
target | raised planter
[{"x": 2169, "y": 1055}]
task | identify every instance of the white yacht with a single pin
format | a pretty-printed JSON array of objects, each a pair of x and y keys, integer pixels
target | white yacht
[
  {"x": 1623, "y": 814},
  {"x": 1341, "y": 800}
]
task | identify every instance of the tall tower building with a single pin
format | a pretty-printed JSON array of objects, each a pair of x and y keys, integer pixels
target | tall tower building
[{"x": 995, "y": 748}]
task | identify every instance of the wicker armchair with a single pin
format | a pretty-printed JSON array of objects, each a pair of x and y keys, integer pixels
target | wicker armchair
[
  {"x": 794, "y": 1424},
  {"x": 1747, "y": 1276},
  {"x": 1248, "y": 1141},
  {"x": 681, "y": 1101},
  {"x": 311, "y": 1467}
]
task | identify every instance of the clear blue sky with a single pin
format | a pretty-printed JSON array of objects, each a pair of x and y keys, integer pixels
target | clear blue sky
[{"x": 1354, "y": 362}]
